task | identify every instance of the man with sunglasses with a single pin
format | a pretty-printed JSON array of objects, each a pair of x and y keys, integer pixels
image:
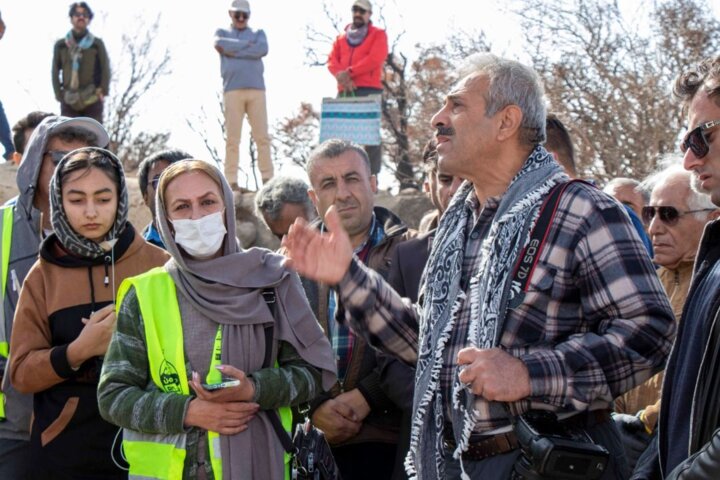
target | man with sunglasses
[
  {"x": 674, "y": 218},
  {"x": 22, "y": 228},
  {"x": 688, "y": 443},
  {"x": 148, "y": 175},
  {"x": 356, "y": 61},
  {"x": 81, "y": 68},
  {"x": 241, "y": 52}
]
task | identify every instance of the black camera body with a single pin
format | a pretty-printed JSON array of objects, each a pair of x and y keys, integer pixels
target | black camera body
[{"x": 552, "y": 449}]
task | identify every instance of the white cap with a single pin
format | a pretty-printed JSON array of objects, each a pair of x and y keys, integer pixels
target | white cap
[
  {"x": 364, "y": 4},
  {"x": 85, "y": 123},
  {"x": 240, "y": 6}
]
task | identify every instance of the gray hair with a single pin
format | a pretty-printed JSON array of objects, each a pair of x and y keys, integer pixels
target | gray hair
[
  {"x": 618, "y": 182},
  {"x": 333, "y": 148},
  {"x": 277, "y": 192},
  {"x": 672, "y": 169},
  {"x": 512, "y": 83}
]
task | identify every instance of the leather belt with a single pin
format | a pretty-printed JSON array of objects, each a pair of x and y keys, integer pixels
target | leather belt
[{"x": 481, "y": 447}]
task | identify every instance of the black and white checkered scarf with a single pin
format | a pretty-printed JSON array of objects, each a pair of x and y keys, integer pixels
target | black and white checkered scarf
[{"x": 78, "y": 244}]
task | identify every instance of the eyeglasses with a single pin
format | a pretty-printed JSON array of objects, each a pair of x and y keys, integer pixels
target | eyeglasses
[
  {"x": 155, "y": 180},
  {"x": 81, "y": 14},
  {"x": 56, "y": 155},
  {"x": 668, "y": 215},
  {"x": 241, "y": 15},
  {"x": 696, "y": 141},
  {"x": 359, "y": 10}
]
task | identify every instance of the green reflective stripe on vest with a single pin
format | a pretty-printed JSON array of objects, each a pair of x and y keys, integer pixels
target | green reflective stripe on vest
[
  {"x": 214, "y": 376},
  {"x": 7, "y": 226},
  {"x": 6, "y": 236},
  {"x": 152, "y": 458}
]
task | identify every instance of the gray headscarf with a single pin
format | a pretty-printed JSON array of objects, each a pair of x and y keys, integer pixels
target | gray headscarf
[
  {"x": 228, "y": 290},
  {"x": 77, "y": 244}
]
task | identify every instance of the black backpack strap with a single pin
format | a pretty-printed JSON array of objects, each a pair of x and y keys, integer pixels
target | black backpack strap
[{"x": 271, "y": 300}]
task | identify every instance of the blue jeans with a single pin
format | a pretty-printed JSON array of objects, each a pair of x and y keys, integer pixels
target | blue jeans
[
  {"x": 5, "y": 136},
  {"x": 499, "y": 467}
]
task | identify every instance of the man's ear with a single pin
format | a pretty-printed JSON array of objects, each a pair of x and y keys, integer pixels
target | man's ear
[
  {"x": 510, "y": 120},
  {"x": 313, "y": 197},
  {"x": 373, "y": 183},
  {"x": 16, "y": 157}
]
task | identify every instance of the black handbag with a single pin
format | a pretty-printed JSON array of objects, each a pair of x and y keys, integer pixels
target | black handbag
[{"x": 312, "y": 457}]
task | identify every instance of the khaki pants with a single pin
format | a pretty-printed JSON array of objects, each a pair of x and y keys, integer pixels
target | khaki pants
[{"x": 238, "y": 103}]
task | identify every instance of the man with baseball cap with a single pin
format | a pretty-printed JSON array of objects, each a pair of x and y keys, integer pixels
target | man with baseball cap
[
  {"x": 241, "y": 51},
  {"x": 356, "y": 61},
  {"x": 22, "y": 228}
]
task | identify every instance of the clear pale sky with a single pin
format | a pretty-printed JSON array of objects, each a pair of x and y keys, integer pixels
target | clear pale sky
[{"x": 187, "y": 28}]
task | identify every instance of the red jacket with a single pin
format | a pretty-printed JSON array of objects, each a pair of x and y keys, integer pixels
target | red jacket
[{"x": 365, "y": 60}]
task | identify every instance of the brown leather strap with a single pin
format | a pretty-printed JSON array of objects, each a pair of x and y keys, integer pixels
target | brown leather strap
[
  {"x": 506, "y": 442},
  {"x": 488, "y": 447}
]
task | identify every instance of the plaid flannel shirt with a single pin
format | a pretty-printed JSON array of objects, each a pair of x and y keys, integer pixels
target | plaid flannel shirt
[
  {"x": 342, "y": 338},
  {"x": 594, "y": 323}
]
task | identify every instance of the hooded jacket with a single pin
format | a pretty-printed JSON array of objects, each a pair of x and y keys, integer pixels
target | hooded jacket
[
  {"x": 26, "y": 236},
  {"x": 68, "y": 434}
]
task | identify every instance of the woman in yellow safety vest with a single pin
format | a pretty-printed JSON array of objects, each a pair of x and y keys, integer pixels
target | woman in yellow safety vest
[
  {"x": 187, "y": 374},
  {"x": 65, "y": 315}
]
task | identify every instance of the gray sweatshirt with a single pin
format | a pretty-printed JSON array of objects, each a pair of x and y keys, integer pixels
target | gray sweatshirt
[{"x": 241, "y": 63}]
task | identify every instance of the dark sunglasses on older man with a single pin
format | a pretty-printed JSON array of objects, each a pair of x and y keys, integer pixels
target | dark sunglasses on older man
[
  {"x": 241, "y": 15},
  {"x": 696, "y": 141},
  {"x": 359, "y": 10},
  {"x": 668, "y": 215}
]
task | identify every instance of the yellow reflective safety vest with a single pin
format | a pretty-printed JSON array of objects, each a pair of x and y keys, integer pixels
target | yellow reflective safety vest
[
  {"x": 158, "y": 456},
  {"x": 6, "y": 236}
]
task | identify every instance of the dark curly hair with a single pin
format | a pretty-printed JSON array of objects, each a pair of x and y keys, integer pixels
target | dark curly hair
[{"x": 705, "y": 76}]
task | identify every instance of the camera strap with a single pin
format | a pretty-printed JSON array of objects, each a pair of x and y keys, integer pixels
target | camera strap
[
  {"x": 270, "y": 298},
  {"x": 530, "y": 254}
]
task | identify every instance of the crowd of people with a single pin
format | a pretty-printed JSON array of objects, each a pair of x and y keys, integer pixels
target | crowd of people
[{"x": 532, "y": 315}]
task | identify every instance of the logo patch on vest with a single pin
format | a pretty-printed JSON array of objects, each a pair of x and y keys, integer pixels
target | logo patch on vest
[{"x": 169, "y": 378}]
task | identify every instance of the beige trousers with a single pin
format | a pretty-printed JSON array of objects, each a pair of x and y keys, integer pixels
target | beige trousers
[{"x": 238, "y": 103}]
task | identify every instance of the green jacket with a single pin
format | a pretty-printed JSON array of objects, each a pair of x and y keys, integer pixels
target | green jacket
[{"x": 94, "y": 68}]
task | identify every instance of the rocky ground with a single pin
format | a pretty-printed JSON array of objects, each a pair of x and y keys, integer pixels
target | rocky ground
[{"x": 408, "y": 205}]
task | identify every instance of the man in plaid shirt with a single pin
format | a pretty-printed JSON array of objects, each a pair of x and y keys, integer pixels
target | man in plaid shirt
[{"x": 592, "y": 323}]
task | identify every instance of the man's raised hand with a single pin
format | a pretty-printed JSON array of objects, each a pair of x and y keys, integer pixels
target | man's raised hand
[{"x": 323, "y": 257}]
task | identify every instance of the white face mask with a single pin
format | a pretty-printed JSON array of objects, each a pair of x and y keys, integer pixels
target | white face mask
[{"x": 202, "y": 237}]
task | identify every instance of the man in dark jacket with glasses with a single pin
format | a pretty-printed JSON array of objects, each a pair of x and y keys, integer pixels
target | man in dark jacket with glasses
[{"x": 688, "y": 445}]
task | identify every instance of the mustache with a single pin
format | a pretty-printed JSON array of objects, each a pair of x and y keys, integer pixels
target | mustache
[{"x": 445, "y": 131}]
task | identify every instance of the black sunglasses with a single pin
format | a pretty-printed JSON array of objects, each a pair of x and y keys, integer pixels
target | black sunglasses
[
  {"x": 56, "y": 155},
  {"x": 81, "y": 14},
  {"x": 241, "y": 15},
  {"x": 696, "y": 141},
  {"x": 359, "y": 10},
  {"x": 668, "y": 215}
]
